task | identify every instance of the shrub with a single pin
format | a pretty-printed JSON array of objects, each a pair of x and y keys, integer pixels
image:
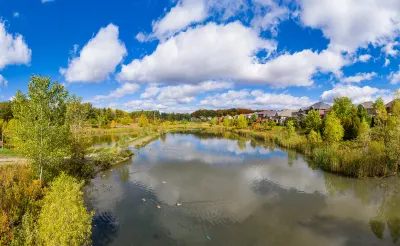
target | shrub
[{"x": 64, "y": 219}]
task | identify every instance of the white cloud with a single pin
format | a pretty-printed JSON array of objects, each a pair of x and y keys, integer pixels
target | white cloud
[
  {"x": 15, "y": 14},
  {"x": 387, "y": 62},
  {"x": 186, "y": 12},
  {"x": 98, "y": 58},
  {"x": 125, "y": 89},
  {"x": 47, "y": 1},
  {"x": 255, "y": 99},
  {"x": 268, "y": 15},
  {"x": 144, "y": 105},
  {"x": 394, "y": 77},
  {"x": 359, "y": 77},
  {"x": 364, "y": 58},
  {"x": 357, "y": 94},
  {"x": 3, "y": 81},
  {"x": 151, "y": 91},
  {"x": 227, "y": 52},
  {"x": 350, "y": 24},
  {"x": 389, "y": 49},
  {"x": 184, "y": 94},
  {"x": 13, "y": 49}
]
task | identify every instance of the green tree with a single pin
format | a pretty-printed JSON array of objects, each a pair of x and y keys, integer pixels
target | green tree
[
  {"x": 42, "y": 134},
  {"x": 143, "y": 121},
  {"x": 363, "y": 114},
  {"x": 6, "y": 111},
  {"x": 313, "y": 121},
  {"x": 227, "y": 122},
  {"x": 291, "y": 130},
  {"x": 343, "y": 107},
  {"x": 242, "y": 122},
  {"x": 333, "y": 131},
  {"x": 314, "y": 137},
  {"x": 213, "y": 121},
  {"x": 64, "y": 219},
  {"x": 381, "y": 113},
  {"x": 364, "y": 133},
  {"x": 76, "y": 114},
  {"x": 253, "y": 118}
]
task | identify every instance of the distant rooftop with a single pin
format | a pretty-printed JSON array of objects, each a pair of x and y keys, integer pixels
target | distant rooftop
[
  {"x": 368, "y": 104},
  {"x": 320, "y": 105}
]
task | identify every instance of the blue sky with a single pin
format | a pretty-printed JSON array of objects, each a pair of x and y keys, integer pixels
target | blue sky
[{"x": 181, "y": 55}]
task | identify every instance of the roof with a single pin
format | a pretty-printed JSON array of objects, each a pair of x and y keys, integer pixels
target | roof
[
  {"x": 368, "y": 104},
  {"x": 388, "y": 105},
  {"x": 285, "y": 113},
  {"x": 320, "y": 105},
  {"x": 270, "y": 113},
  {"x": 265, "y": 112}
]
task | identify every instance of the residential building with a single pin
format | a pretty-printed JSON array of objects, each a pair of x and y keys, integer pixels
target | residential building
[
  {"x": 282, "y": 116},
  {"x": 390, "y": 105},
  {"x": 321, "y": 107},
  {"x": 369, "y": 106}
]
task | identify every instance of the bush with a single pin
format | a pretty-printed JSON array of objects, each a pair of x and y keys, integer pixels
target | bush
[
  {"x": 19, "y": 195},
  {"x": 64, "y": 219}
]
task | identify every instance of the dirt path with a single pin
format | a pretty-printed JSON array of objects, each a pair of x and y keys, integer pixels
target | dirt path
[
  {"x": 11, "y": 160},
  {"x": 141, "y": 141}
]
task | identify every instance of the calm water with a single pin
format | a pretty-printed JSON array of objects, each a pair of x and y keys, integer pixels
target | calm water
[{"x": 237, "y": 192}]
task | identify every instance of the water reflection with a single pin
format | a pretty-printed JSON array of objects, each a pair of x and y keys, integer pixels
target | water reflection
[{"x": 237, "y": 192}]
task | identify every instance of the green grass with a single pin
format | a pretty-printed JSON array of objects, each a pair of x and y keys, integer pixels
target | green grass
[{"x": 8, "y": 152}]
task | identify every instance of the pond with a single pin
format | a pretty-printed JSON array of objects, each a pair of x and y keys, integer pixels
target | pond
[{"x": 197, "y": 189}]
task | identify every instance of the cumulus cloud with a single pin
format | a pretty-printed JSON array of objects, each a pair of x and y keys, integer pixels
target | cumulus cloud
[
  {"x": 268, "y": 15},
  {"x": 3, "y": 81},
  {"x": 179, "y": 17},
  {"x": 256, "y": 99},
  {"x": 389, "y": 48},
  {"x": 228, "y": 52},
  {"x": 359, "y": 77},
  {"x": 15, "y": 14},
  {"x": 363, "y": 58},
  {"x": 152, "y": 90},
  {"x": 350, "y": 24},
  {"x": 357, "y": 94},
  {"x": 13, "y": 49},
  {"x": 47, "y": 1},
  {"x": 183, "y": 94},
  {"x": 98, "y": 58},
  {"x": 125, "y": 89},
  {"x": 394, "y": 77},
  {"x": 387, "y": 62}
]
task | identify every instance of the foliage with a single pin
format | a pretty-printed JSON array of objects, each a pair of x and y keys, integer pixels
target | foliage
[
  {"x": 143, "y": 121},
  {"x": 253, "y": 118},
  {"x": 314, "y": 137},
  {"x": 242, "y": 122},
  {"x": 42, "y": 134},
  {"x": 213, "y": 121},
  {"x": 227, "y": 122},
  {"x": 364, "y": 133},
  {"x": 291, "y": 130},
  {"x": 220, "y": 112},
  {"x": 76, "y": 114},
  {"x": 381, "y": 113},
  {"x": 333, "y": 131},
  {"x": 112, "y": 125},
  {"x": 363, "y": 114},
  {"x": 19, "y": 194},
  {"x": 313, "y": 121},
  {"x": 6, "y": 111},
  {"x": 64, "y": 219}
]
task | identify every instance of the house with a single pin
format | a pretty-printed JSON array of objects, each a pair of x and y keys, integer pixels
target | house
[
  {"x": 270, "y": 115},
  {"x": 369, "y": 106},
  {"x": 390, "y": 105},
  {"x": 263, "y": 114},
  {"x": 282, "y": 116},
  {"x": 321, "y": 107}
]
